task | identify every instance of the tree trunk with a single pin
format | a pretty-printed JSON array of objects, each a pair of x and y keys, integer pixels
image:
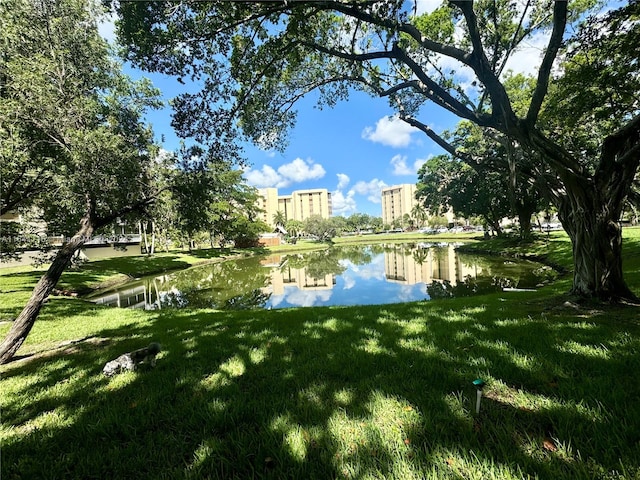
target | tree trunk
[
  {"x": 143, "y": 228},
  {"x": 591, "y": 205},
  {"x": 525, "y": 211},
  {"x": 23, "y": 324},
  {"x": 153, "y": 238},
  {"x": 596, "y": 239}
]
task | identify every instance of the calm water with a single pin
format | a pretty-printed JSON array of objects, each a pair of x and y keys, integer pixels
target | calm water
[{"x": 346, "y": 275}]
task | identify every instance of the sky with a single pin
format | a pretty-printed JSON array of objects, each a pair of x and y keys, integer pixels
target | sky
[{"x": 353, "y": 149}]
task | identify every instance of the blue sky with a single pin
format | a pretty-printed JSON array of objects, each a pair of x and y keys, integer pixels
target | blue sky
[{"x": 353, "y": 150}]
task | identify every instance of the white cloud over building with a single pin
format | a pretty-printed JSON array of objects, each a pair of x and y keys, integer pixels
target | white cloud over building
[
  {"x": 400, "y": 167},
  {"x": 297, "y": 171},
  {"x": 371, "y": 189}
]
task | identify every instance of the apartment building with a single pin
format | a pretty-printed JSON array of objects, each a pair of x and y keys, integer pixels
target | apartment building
[
  {"x": 397, "y": 201},
  {"x": 299, "y": 205},
  {"x": 268, "y": 203}
]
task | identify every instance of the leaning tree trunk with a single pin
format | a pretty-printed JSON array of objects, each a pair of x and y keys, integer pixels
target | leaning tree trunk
[{"x": 23, "y": 324}]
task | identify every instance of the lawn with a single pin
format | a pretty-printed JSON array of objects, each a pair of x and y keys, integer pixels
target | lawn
[{"x": 339, "y": 392}]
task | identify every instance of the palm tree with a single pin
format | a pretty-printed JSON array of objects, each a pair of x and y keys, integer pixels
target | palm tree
[
  {"x": 294, "y": 227},
  {"x": 279, "y": 218},
  {"x": 420, "y": 214}
]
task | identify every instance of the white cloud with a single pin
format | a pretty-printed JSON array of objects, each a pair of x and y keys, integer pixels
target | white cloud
[
  {"x": 400, "y": 166},
  {"x": 528, "y": 57},
  {"x": 300, "y": 170},
  {"x": 342, "y": 204},
  {"x": 294, "y": 172},
  {"x": 343, "y": 181},
  {"x": 406, "y": 292},
  {"x": 399, "y": 163},
  {"x": 163, "y": 156},
  {"x": 421, "y": 161},
  {"x": 307, "y": 298},
  {"x": 374, "y": 270},
  {"x": 426, "y": 6},
  {"x": 265, "y": 177},
  {"x": 390, "y": 131},
  {"x": 371, "y": 189}
]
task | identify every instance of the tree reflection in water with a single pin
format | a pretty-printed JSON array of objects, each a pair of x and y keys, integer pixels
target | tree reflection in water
[{"x": 347, "y": 275}]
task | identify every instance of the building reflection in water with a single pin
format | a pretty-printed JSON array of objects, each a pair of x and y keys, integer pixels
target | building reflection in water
[
  {"x": 283, "y": 275},
  {"x": 427, "y": 264},
  {"x": 277, "y": 277},
  {"x": 148, "y": 293}
]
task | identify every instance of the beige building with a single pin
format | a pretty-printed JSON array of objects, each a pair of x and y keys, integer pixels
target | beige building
[
  {"x": 300, "y": 205},
  {"x": 268, "y": 203},
  {"x": 397, "y": 201}
]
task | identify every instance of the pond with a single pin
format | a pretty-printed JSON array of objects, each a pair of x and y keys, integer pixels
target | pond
[{"x": 344, "y": 275}]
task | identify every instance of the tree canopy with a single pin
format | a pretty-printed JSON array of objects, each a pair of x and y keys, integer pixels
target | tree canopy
[
  {"x": 75, "y": 149},
  {"x": 278, "y": 52}
]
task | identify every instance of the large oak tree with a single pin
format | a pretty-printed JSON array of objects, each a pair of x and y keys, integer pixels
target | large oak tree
[{"x": 280, "y": 51}]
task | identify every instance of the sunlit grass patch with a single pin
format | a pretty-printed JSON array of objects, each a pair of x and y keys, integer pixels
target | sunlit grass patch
[
  {"x": 341, "y": 392},
  {"x": 418, "y": 344},
  {"x": 370, "y": 443},
  {"x": 457, "y": 316},
  {"x": 415, "y": 326},
  {"x": 344, "y": 396},
  {"x": 596, "y": 351}
]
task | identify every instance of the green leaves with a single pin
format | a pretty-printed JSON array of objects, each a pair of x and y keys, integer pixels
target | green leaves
[{"x": 71, "y": 124}]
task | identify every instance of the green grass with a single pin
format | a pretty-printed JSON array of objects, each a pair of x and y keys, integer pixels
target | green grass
[{"x": 342, "y": 392}]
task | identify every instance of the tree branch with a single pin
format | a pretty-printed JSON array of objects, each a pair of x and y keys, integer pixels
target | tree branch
[
  {"x": 438, "y": 94},
  {"x": 355, "y": 11},
  {"x": 559, "y": 23},
  {"x": 622, "y": 147},
  {"x": 138, "y": 206},
  {"x": 504, "y": 118},
  {"x": 401, "y": 86},
  {"x": 446, "y": 146},
  {"x": 432, "y": 90},
  {"x": 354, "y": 57}
]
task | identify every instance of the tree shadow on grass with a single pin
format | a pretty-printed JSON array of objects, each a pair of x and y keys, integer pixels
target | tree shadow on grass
[{"x": 367, "y": 392}]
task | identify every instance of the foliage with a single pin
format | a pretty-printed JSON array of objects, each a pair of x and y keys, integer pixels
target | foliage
[
  {"x": 294, "y": 227},
  {"x": 72, "y": 132},
  {"x": 71, "y": 123},
  {"x": 321, "y": 228},
  {"x": 329, "y": 392},
  {"x": 597, "y": 91},
  {"x": 444, "y": 182},
  {"x": 279, "y": 218},
  {"x": 420, "y": 214},
  {"x": 358, "y": 222},
  {"x": 280, "y": 52},
  {"x": 16, "y": 237}
]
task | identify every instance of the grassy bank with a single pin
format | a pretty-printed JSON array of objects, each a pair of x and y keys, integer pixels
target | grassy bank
[{"x": 339, "y": 392}]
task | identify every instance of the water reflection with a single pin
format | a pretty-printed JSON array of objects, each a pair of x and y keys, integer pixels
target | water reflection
[{"x": 348, "y": 275}]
